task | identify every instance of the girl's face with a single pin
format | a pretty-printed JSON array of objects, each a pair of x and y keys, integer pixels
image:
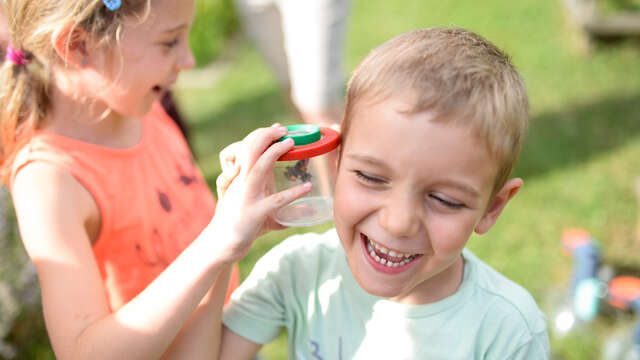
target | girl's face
[{"x": 132, "y": 76}]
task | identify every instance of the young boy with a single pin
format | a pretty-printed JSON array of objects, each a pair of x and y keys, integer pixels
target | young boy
[{"x": 434, "y": 123}]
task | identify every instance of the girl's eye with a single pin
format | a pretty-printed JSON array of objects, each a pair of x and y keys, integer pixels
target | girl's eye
[
  {"x": 448, "y": 203},
  {"x": 170, "y": 44},
  {"x": 367, "y": 178}
]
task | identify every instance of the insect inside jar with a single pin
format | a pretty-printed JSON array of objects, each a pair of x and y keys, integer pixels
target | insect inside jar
[{"x": 298, "y": 171}]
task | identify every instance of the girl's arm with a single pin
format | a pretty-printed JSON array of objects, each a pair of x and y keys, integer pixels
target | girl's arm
[
  {"x": 196, "y": 339},
  {"x": 55, "y": 212},
  {"x": 236, "y": 347},
  {"x": 199, "y": 336}
]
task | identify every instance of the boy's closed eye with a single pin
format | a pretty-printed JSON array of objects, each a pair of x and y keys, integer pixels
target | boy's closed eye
[
  {"x": 375, "y": 180},
  {"x": 442, "y": 200},
  {"x": 368, "y": 178}
]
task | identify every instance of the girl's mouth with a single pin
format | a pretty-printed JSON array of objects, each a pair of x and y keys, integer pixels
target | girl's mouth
[{"x": 387, "y": 260}]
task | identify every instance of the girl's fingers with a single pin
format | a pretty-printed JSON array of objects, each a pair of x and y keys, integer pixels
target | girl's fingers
[
  {"x": 229, "y": 156},
  {"x": 236, "y": 153},
  {"x": 274, "y": 202},
  {"x": 258, "y": 141},
  {"x": 225, "y": 179},
  {"x": 264, "y": 165}
]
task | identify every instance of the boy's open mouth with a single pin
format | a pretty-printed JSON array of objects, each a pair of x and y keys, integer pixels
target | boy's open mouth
[{"x": 386, "y": 257}]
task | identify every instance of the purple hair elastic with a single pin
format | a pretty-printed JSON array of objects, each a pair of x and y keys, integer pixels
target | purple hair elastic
[{"x": 16, "y": 56}]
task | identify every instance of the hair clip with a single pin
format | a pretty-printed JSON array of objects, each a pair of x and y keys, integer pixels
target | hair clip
[
  {"x": 17, "y": 57},
  {"x": 112, "y": 4}
]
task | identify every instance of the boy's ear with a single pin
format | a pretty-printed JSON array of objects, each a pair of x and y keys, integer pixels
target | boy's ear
[
  {"x": 71, "y": 43},
  {"x": 508, "y": 191}
]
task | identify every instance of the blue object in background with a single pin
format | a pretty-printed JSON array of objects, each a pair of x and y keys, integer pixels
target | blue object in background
[
  {"x": 635, "y": 336},
  {"x": 586, "y": 298},
  {"x": 586, "y": 262}
]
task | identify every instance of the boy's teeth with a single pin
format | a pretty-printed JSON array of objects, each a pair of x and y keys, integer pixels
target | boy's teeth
[
  {"x": 373, "y": 248},
  {"x": 386, "y": 251}
]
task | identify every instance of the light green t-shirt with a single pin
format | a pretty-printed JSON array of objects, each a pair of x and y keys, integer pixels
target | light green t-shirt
[{"x": 305, "y": 285}]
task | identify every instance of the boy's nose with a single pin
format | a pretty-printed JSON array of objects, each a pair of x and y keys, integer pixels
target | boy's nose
[{"x": 400, "y": 217}]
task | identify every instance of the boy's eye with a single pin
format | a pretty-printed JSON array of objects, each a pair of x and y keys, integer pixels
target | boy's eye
[
  {"x": 364, "y": 177},
  {"x": 446, "y": 202}
]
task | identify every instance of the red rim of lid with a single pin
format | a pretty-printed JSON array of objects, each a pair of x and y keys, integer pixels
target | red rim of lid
[{"x": 329, "y": 141}]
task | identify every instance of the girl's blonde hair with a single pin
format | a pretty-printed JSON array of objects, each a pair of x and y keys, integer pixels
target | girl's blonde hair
[
  {"x": 25, "y": 89},
  {"x": 456, "y": 74}
]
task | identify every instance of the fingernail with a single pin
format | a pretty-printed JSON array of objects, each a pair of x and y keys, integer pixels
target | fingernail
[{"x": 306, "y": 185}]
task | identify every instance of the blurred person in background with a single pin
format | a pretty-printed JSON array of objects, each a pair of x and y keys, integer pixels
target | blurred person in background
[{"x": 302, "y": 41}]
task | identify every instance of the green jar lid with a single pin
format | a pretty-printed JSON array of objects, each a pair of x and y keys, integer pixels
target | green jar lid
[{"x": 302, "y": 134}]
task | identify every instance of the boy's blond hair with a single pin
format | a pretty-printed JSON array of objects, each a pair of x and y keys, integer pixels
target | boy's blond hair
[
  {"x": 458, "y": 76},
  {"x": 24, "y": 89}
]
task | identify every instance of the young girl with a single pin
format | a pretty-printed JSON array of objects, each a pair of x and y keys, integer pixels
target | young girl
[{"x": 107, "y": 195}]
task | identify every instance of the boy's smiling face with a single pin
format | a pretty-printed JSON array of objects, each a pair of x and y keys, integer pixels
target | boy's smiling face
[{"x": 410, "y": 191}]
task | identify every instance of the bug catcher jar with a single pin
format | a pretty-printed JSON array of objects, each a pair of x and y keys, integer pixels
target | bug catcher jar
[{"x": 308, "y": 161}]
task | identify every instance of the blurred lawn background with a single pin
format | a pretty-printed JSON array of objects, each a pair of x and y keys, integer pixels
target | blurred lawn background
[{"x": 579, "y": 162}]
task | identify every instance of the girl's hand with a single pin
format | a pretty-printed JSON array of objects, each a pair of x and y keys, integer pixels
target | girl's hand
[
  {"x": 244, "y": 203},
  {"x": 230, "y": 166}
]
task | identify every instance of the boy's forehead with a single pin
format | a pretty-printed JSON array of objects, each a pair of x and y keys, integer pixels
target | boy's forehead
[
  {"x": 403, "y": 107},
  {"x": 389, "y": 111},
  {"x": 400, "y": 105},
  {"x": 396, "y": 125}
]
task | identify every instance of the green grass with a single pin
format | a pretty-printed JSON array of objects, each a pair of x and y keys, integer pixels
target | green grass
[
  {"x": 215, "y": 20},
  {"x": 579, "y": 161},
  {"x": 614, "y": 6}
]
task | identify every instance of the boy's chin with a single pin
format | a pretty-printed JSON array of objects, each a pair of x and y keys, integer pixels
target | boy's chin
[
  {"x": 381, "y": 293},
  {"x": 386, "y": 293},
  {"x": 379, "y": 289}
]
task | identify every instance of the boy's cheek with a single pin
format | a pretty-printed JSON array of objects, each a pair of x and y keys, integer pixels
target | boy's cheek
[
  {"x": 342, "y": 206},
  {"x": 340, "y": 214}
]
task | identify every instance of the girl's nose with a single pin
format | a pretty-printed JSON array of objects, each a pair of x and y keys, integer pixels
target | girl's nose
[
  {"x": 400, "y": 216},
  {"x": 187, "y": 60}
]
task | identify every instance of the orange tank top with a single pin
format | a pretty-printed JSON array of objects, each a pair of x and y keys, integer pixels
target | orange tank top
[{"x": 153, "y": 200}]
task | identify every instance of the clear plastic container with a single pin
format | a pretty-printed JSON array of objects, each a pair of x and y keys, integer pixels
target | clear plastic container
[{"x": 308, "y": 161}]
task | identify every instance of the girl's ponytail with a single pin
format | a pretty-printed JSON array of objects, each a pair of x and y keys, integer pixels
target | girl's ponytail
[{"x": 24, "y": 100}]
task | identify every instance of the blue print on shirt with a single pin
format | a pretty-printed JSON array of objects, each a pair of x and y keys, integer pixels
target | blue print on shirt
[{"x": 316, "y": 350}]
